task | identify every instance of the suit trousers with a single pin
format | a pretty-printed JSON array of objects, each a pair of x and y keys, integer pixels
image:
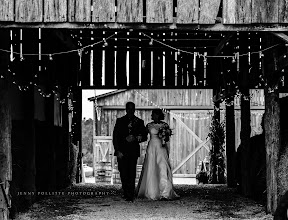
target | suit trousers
[{"x": 127, "y": 168}]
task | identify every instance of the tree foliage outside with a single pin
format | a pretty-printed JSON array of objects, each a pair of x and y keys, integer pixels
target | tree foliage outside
[
  {"x": 217, "y": 152},
  {"x": 87, "y": 141}
]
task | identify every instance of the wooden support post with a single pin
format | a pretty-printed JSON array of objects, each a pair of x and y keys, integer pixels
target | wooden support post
[
  {"x": 230, "y": 142},
  {"x": 272, "y": 127},
  {"x": 30, "y": 37},
  {"x": 245, "y": 121},
  {"x": 5, "y": 131}
]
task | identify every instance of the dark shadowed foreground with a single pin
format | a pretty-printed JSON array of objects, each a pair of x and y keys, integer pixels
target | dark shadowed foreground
[{"x": 90, "y": 201}]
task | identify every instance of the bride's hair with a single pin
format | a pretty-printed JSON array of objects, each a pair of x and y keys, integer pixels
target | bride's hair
[{"x": 159, "y": 112}]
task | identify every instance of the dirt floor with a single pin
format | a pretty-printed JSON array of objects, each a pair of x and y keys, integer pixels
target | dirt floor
[{"x": 91, "y": 201}]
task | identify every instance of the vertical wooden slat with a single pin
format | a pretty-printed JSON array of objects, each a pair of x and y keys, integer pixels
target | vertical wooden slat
[
  {"x": 109, "y": 66},
  {"x": 130, "y": 11},
  {"x": 79, "y": 11},
  {"x": 157, "y": 67},
  {"x": 146, "y": 67},
  {"x": 169, "y": 68},
  {"x": 134, "y": 67},
  {"x": 208, "y": 11},
  {"x": 264, "y": 11},
  {"x": 237, "y": 12},
  {"x": 6, "y": 10},
  {"x": 97, "y": 66},
  {"x": 187, "y": 11},
  {"x": 121, "y": 67},
  {"x": 283, "y": 11},
  {"x": 55, "y": 10},
  {"x": 159, "y": 11},
  {"x": 103, "y": 11},
  {"x": 29, "y": 11}
]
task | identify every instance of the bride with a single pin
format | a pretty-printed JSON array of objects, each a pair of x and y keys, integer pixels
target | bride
[{"x": 156, "y": 176}]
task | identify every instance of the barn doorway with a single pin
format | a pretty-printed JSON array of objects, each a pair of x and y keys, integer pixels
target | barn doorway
[{"x": 188, "y": 112}]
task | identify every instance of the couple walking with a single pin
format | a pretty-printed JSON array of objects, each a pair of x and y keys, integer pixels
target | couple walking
[{"x": 156, "y": 177}]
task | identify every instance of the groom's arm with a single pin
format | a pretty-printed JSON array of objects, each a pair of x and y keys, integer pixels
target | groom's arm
[{"x": 143, "y": 132}]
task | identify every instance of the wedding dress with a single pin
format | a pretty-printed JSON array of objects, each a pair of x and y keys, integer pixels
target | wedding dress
[{"x": 156, "y": 176}]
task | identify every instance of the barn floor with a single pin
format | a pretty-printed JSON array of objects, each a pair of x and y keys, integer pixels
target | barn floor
[{"x": 196, "y": 202}]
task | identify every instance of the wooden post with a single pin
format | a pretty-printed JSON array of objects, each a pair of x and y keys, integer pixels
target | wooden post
[
  {"x": 5, "y": 131},
  {"x": 272, "y": 127},
  {"x": 245, "y": 120},
  {"x": 230, "y": 142}
]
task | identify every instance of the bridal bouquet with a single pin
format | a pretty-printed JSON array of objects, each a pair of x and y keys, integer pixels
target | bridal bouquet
[{"x": 164, "y": 133}]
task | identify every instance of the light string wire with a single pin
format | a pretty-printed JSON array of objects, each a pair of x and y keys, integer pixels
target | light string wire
[
  {"x": 209, "y": 56},
  {"x": 40, "y": 90},
  {"x": 151, "y": 38},
  {"x": 61, "y": 52}
]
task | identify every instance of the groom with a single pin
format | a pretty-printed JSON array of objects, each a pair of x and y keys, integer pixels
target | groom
[{"x": 128, "y": 132}]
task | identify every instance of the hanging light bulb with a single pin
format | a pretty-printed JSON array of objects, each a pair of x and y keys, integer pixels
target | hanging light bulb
[
  {"x": 105, "y": 43},
  {"x": 151, "y": 42},
  {"x": 50, "y": 57}
]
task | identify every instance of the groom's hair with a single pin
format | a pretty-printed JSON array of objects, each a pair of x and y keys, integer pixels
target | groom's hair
[{"x": 130, "y": 103}]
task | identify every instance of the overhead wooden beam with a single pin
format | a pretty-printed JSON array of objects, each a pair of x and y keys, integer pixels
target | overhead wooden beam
[{"x": 151, "y": 26}]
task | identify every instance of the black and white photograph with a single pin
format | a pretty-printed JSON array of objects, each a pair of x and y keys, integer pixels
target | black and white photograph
[{"x": 143, "y": 109}]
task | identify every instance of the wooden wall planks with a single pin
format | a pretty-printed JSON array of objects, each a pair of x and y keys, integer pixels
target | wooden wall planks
[
  {"x": 6, "y": 10},
  {"x": 130, "y": 11},
  {"x": 187, "y": 11},
  {"x": 28, "y": 10},
  {"x": 264, "y": 11},
  {"x": 209, "y": 11},
  {"x": 237, "y": 11},
  {"x": 79, "y": 10},
  {"x": 55, "y": 10},
  {"x": 103, "y": 11},
  {"x": 159, "y": 11}
]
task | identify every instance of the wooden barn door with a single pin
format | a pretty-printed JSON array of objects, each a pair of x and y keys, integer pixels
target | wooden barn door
[
  {"x": 190, "y": 144},
  {"x": 103, "y": 160}
]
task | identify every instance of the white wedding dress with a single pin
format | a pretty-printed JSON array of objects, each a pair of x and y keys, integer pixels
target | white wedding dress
[{"x": 156, "y": 176}]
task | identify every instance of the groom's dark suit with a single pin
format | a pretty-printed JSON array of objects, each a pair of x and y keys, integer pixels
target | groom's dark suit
[{"x": 131, "y": 151}]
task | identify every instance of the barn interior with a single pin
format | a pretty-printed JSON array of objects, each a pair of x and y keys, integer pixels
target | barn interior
[{"x": 46, "y": 64}]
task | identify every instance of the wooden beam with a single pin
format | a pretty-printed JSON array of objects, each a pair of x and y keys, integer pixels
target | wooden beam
[
  {"x": 271, "y": 127},
  {"x": 283, "y": 27},
  {"x": 5, "y": 131},
  {"x": 168, "y": 107},
  {"x": 230, "y": 143}
]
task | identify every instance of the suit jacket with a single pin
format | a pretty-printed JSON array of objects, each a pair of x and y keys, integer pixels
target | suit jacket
[{"x": 122, "y": 129}]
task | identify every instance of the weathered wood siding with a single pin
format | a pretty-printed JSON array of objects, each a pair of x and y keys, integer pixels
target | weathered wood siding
[
  {"x": 209, "y": 11},
  {"x": 103, "y": 11},
  {"x": 237, "y": 12},
  {"x": 187, "y": 11},
  {"x": 157, "y": 11},
  {"x": 177, "y": 97},
  {"x": 28, "y": 10},
  {"x": 130, "y": 11},
  {"x": 265, "y": 11},
  {"x": 6, "y": 10},
  {"x": 79, "y": 11},
  {"x": 55, "y": 11}
]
